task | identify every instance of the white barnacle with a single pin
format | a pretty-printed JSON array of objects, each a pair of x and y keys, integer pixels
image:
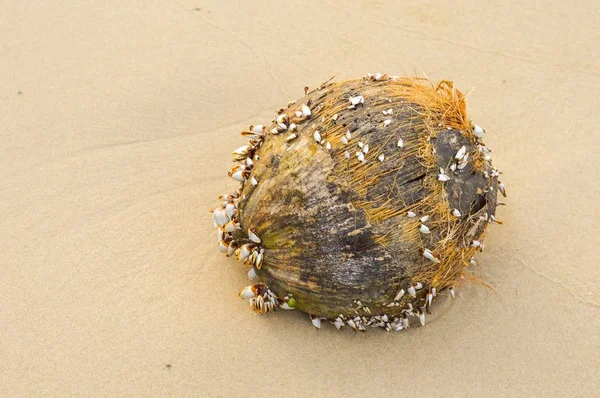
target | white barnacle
[
  {"x": 412, "y": 291},
  {"x": 376, "y": 77},
  {"x": 286, "y": 306},
  {"x": 306, "y": 110},
  {"x": 338, "y": 323},
  {"x": 443, "y": 177},
  {"x": 220, "y": 234},
  {"x": 456, "y": 213},
  {"x": 400, "y": 143},
  {"x": 282, "y": 126},
  {"x": 405, "y": 323},
  {"x": 429, "y": 255},
  {"x": 259, "y": 128},
  {"x": 232, "y": 248},
  {"x": 399, "y": 295},
  {"x": 282, "y": 118},
  {"x": 298, "y": 113},
  {"x": 359, "y": 99},
  {"x": 423, "y": 229},
  {"x": 411, "y": 214},
  {"x": 451, "y": 292},
  {"x": 252, "y": 259},
  {"x": 316, "y": 321},
  {"x": 244, "y": 252},
  {"x": 220, "y": 217},
  {"x": 360, "y": 323},
  {"x": 334, "y": 117},
  {"x": 475, "y": 243},
  {"x": 360, "y": 144},
  {"x": 478, "y": 131},
  {"x": 433, "y": 291},
  {"x": 292, "y": 127},
  {"x": 366, "y": 149},
  {"x": 418, "y": 286},
  {"x": 253, "y": 181},
  {"x": 453, "y": 167},
  {"x": 248, "y": 292},
  {"x": 252, "y": 274},
  {"x": 387, "y": 122},
  {"x": 461, "y": 152},
  {"x": 291, "y": 137},
  {"x": 328, "y": 146},
  {"x": 348, "y": 135},
  {"x": 238, "y": 174},
  {"x": 344, "y": 140},
  {"x": 502, "y": 188},
  {"x": 252, "y": 236},
  {"x": 361, "y": 157},
  {"x": 381, "y": 157},
  {"x": 429, "y": 299},
  {"x": 422, "y": 317},
  {"x": 347, "y": 155},
  {"x": 317, "y": 136},
  {"x": 223, "y": 246},
  {"x": 463, "y": 163},
  {"x": 352, "y": 324},
  {"x": 258, "y": 260},
  {"x": 230, "y": 209},
  {"x": 242, "y": 151},
  {"x": 275, "y": 131},
  {"x": 231, "y": 226},
  {"x": 425, "y": 218}
]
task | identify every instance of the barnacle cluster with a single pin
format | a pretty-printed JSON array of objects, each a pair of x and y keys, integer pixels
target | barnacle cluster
[{"x": 361, "y": 202}]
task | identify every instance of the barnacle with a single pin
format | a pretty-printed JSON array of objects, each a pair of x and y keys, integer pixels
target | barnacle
[{"x": 360, "y": 192}]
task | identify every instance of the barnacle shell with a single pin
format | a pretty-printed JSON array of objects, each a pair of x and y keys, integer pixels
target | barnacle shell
[{"x": 333, "y": 230}]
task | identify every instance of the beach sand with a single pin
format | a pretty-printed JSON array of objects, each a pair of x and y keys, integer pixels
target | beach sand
[{"x": 117, "y": 123}]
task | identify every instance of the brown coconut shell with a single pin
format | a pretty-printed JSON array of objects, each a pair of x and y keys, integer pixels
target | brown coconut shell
[{"x": 335, "y": 229}]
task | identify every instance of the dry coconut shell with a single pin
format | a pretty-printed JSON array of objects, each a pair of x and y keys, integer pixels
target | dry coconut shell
[{"x": 361, "y": 202}]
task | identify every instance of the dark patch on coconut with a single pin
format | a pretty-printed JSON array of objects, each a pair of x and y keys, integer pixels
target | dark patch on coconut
[{"x": 467, "y": 188}]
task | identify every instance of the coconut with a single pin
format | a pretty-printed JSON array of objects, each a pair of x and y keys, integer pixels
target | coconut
[{"x": 361, "y": 202}]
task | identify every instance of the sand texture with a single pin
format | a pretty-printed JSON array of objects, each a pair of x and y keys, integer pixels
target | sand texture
[{"x": 117, "y": 122}]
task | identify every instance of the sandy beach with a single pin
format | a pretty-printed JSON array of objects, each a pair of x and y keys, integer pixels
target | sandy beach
[{"x": 117, "y": 122}]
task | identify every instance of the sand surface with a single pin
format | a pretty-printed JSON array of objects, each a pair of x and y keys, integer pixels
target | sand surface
[{"x": 117, "y": 120}]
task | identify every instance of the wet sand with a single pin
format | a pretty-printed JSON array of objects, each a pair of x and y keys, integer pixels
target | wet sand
[{"x": 117, "y": 123}]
